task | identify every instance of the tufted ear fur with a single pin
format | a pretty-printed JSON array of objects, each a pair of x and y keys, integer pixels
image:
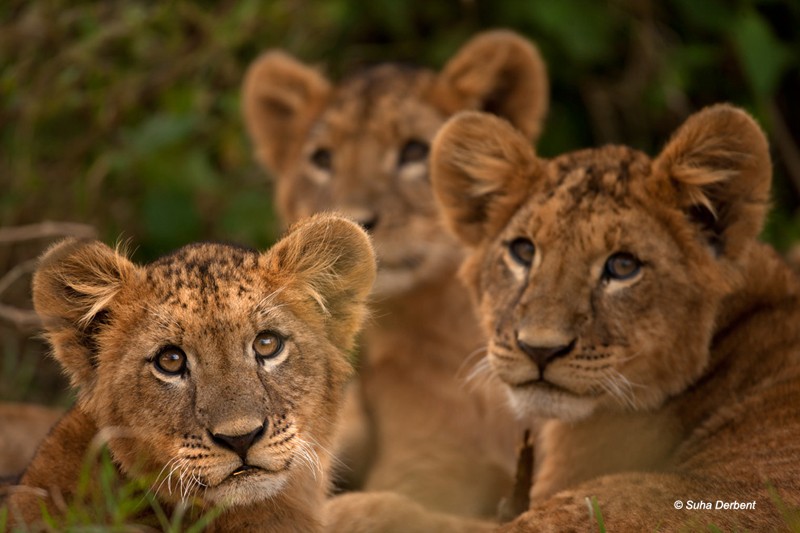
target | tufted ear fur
[
  {"x": 72, "y": 289},
  {"x": 331, "y": 260},
  {"x": 281, "y": 97},
  {"x": 482, "y": 170},
  {"x": 498, "y": 72},
  {"x": 717, "y": 169}
]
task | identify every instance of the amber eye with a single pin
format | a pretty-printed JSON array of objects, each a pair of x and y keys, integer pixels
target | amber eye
[
  {"x": 622, "y": 266},
  {"x": 171, "y": 361},
  {"x": 267, "y": 345},
  {"x": 522, "y": 251},
  {"x": 322, "y": 159},
  {"x": 414, "y": 151}
]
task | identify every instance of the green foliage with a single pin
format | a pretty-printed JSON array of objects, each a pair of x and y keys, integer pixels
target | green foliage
[
  {"x": 596, "y": 514},
  {"x": 105, "y": 502},
  {"x": 790, "y": 514}
]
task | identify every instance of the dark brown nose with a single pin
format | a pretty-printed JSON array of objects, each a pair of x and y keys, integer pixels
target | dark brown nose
[
  {"x": 239, "y": 443},
  {"x": 369, "y": 222},
  {"x": 544, "y": 355}
]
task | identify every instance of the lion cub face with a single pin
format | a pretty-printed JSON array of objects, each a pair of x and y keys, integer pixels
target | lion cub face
[
  {"x": 366, "y": 156},
  {"x": 216, "y": 368},
  {"x": 361, "y": 148},
  {"x": 599, "y": 273}
]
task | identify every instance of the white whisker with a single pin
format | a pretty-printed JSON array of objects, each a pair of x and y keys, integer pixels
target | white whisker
[
  {"x": 309, "y": 457},
  {"x": 478, "y": 353},
  {"x": 164, "y": 480},
  {"x": 481, "y": 375},
  {"x": 619, "y": 387}
]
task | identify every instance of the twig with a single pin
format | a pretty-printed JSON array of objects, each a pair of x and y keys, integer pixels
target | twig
[
  {"x": 46, "y": 229},
  {"x": 519, "y": 501},
  {"x": 15, "y": 273},
  {"x": 23, "y": 319}
]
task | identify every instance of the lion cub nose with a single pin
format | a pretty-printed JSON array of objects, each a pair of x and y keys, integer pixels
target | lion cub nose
[
  {"x": 239, "y": 443},
  {"x": 544, "y": 355},
  {"x": 366, "y": 218},
  {"x": 369, "y": 223}
]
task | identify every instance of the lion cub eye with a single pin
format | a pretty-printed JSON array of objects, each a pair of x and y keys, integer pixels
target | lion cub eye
[
  {"x": 322, "y": 159},
  {"x": 267, "y": 345},
  {"x": 171, "y": 361},
  {"x": 522, "y": 251},
  {"x": 621, "y": 266},
  {"x": 414, "y": 151}
]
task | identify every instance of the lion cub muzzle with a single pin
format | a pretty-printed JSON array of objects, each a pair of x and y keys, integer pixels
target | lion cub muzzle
[
  {"x": 365, "y": 217},
  {"x": 240, "y": 443},
  {"x": 542, "y": 354}
]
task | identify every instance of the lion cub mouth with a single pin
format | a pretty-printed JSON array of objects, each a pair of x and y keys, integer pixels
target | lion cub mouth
[
  {"x": 542, "y": 384},
  {"x": 244, "y": 469},
  {"x": 404, "y": 263},
  {"x": 247, "y": 470}
]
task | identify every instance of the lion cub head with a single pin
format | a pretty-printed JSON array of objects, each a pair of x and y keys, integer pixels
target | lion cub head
[
  {"x": 361, "y": 147},
  {"x": 217, "y": 368},
  {"x": 599, "y": 273}
]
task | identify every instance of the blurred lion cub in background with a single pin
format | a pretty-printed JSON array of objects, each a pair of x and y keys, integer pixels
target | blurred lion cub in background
[{"x": 361, "y": 147}]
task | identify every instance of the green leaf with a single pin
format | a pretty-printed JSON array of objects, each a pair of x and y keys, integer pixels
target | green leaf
[
  {"x": 762, "y": 56},
  {"x": 597, "y": 515},
  {"x": 160, "y": 131},
  {"x": 709, "y": 15},
  {"x": 248, "y": 218},
  {"x": 170, "y": 219},
  {"x": 576, "y": 25}
]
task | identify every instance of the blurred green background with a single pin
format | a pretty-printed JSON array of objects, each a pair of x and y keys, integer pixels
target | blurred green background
[{"x": 125, "y": 115}]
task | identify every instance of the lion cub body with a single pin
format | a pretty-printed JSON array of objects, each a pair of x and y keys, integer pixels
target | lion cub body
[
  {"x": 361, "y": 148},
  {"x": 631, "y": 305},
  {"x": 21, "y": 426},
  {"x": 216, "y": 372}
]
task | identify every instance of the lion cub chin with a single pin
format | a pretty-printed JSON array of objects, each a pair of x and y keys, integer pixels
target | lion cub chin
[{"x": 215, "y": 373}]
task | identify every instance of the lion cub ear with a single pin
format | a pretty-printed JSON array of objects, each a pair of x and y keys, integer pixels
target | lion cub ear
[
  {"x": 717, "y": 169},
  {"x": 331, "y": 261},
  {"x": 281, "y": 97},
  {"x": 499, "y": 72},
  {"x": 72, "y": 288},
  {"x": 482, "y": 170}
]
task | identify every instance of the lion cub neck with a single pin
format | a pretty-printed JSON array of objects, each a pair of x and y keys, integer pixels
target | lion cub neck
[{"x": 437, "y": 315}]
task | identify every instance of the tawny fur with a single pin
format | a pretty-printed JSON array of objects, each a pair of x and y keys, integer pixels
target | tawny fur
[
  {"x": 679, "y": 382},
  {"x": 360, "y": 147},
  {"x": 108, "y": 319},
  {"x": 22, "y": 426}
]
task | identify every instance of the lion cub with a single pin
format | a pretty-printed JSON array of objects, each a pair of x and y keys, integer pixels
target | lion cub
[
  {"x": 361, "y": 147},
  {"x": 217, "y": 371},
  {"x": 629, "y": 302}
]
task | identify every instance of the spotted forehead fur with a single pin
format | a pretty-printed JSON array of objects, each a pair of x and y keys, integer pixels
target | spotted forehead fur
[
  {"x": 363, "y": 89},
  {"x": 613, "y": 173},
  {"x": 212, "y": 273},
  {"x": 370, "y": 100}
]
